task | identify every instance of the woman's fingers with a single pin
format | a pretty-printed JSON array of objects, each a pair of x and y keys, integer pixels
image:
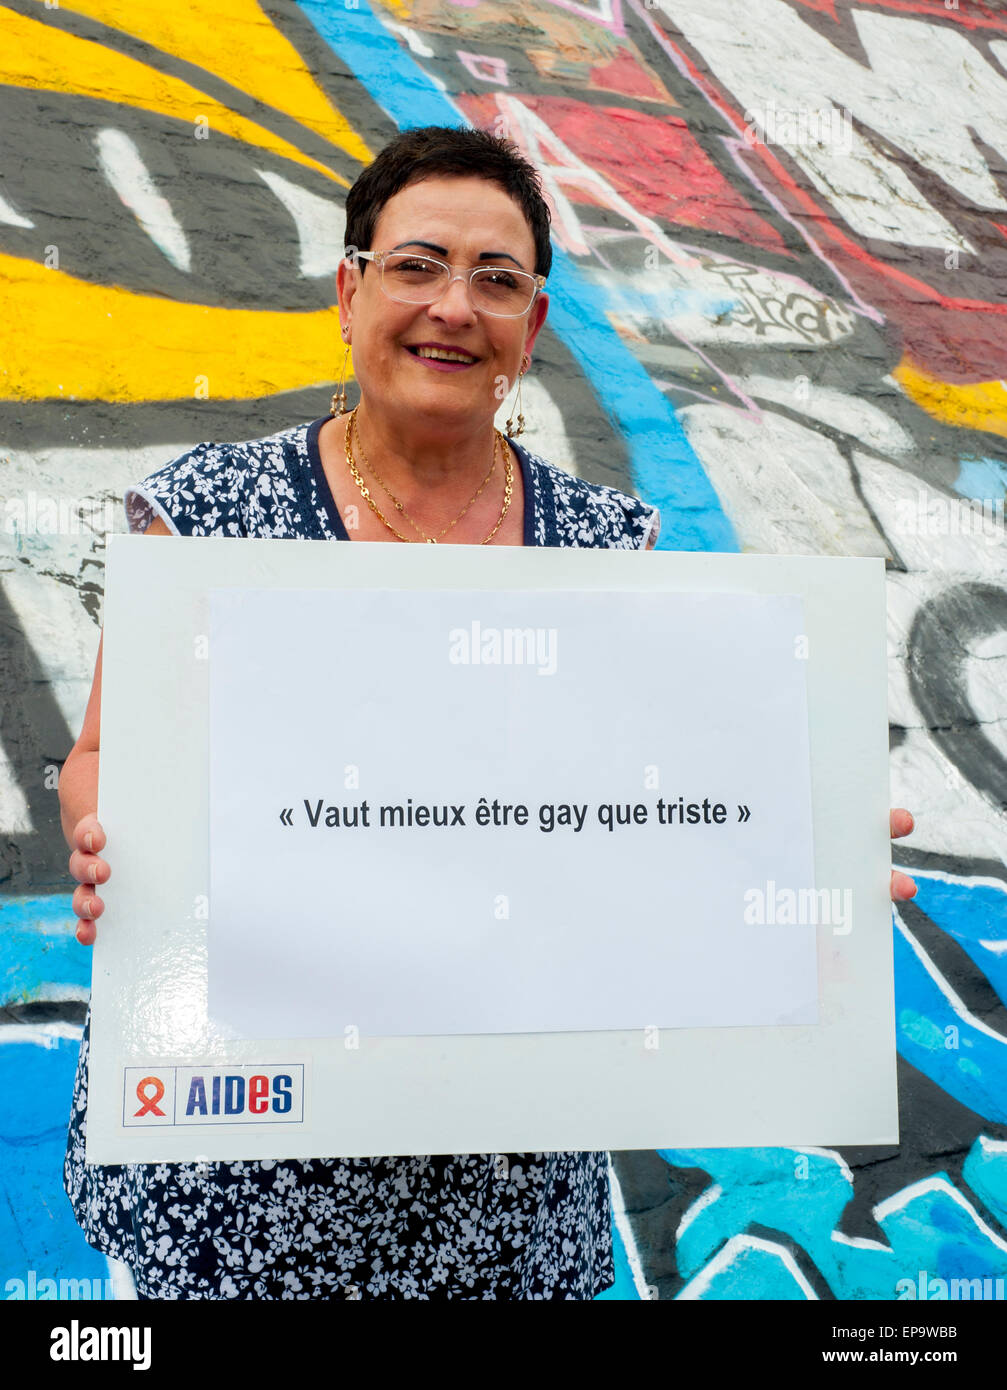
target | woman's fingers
[
  {"x": 89, "y": 869},
  {"x": 86, "y": 902},
  {"x": 900, "y": 822},
  {"x": 86, "y": 932},
  {"x": 903, "y": 887},
  {"x": 86, "y": 865},
  {"x": 88, "y": 835},
  {"x": 87, "y": 906}
]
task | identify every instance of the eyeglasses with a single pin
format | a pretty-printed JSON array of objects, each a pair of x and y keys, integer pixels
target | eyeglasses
[{"x": 494, "y": 289}]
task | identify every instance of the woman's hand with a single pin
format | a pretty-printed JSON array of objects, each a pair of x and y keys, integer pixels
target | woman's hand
[
  {"x": 901, "y": 823},
  {"x": 89, "y": 869}
]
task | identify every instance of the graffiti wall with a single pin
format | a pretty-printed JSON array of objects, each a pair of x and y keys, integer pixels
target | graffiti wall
[{"x": 778, "y": 312}]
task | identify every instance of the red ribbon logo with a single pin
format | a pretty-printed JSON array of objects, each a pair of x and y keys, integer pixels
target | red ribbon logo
[{"x": 148, "y": 1104}]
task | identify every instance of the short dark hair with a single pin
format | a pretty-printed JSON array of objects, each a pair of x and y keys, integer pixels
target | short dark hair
[{"x": 446, "y": 151}]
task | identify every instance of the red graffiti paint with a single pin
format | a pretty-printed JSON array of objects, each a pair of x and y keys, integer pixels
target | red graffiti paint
[
  {"x": 669, "y": 176},
  {"x": 629, "y": 76}
]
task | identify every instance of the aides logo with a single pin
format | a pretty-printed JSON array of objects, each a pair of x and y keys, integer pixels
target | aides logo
[{"x": 240, "y": 1094}]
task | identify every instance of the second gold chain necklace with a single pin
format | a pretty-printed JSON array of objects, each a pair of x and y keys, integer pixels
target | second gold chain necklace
[{"x": 431, "y": 540}]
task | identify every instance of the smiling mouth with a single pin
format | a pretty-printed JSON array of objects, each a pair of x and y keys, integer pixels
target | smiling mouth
[{"x": 443, "y": 354}]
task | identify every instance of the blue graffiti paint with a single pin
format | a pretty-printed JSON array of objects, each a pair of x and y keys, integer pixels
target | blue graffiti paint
[
  {"x": 764, "y": 1179},
  {"x": 666, "y": 471},
  {"x": 974, "y": 914},
  {"x": 39, "y": 954},
  {"x": 946, "y": 1237},
  {"x": 37, "y": 1229},
  {"x": 981, "y": 478},
  {"x": 750, "y": 1270},
  {"x": 985, "y": 1171},
  {"x": 381, "y": 65},
  {"x": 39, "y": 960},
  {"x": 638, "y": 305},
  {"x": 958, "y": 1053},
  {"x": 802, "y": 1194}
]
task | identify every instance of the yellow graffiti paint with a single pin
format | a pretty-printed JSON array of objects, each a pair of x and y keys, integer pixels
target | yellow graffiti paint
[
  {"x": 237, "y": 42},
  {"x": 93, "y": 342},
  {"x": 43, "y": 57},
  {"x": 980, "y": 405}
]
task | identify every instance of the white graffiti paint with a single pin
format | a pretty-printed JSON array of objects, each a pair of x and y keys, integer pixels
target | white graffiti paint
[
  {"x": 123, "y": 166},
  {"x": 765, "y": 53},
  {"x": 320, "y": 224}
]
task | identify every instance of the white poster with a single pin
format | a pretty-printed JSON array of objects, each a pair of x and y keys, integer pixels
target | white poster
[{"x": 512, "y": 812}]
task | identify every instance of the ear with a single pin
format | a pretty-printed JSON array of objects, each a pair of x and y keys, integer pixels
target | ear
[
  {"x": 347, "y": 284},
  {"x": 536, "y": 318}
]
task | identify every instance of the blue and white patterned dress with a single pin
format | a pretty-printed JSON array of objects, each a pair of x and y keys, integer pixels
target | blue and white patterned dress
[{"x": 469, "y": 1226}]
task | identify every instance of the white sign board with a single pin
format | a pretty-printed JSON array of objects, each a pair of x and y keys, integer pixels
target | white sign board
[{"x": 458, "y": 849}]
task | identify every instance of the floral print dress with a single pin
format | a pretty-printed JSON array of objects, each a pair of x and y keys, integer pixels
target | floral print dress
[{"x": 469, "y": 1226}]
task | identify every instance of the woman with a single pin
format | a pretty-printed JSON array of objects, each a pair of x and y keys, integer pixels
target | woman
[{"x": 442, "y": 299}]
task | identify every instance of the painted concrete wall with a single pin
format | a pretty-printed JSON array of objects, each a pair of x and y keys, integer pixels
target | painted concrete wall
[{"x": 778, "y": 312}]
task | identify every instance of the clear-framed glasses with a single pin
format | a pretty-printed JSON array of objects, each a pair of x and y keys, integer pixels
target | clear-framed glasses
[{"x": 409, "y": 278}]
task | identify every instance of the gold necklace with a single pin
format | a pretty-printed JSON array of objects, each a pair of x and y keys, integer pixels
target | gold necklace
[
  {"x": 432, "y": 540},
  {"x": 398, "y": 505}
]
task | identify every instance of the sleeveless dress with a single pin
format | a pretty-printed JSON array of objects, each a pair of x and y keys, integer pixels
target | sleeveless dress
[{"x": 468, "y": 1226}]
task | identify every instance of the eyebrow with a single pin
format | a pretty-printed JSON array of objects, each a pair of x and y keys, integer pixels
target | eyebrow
[{"x": 443, "y": 251}]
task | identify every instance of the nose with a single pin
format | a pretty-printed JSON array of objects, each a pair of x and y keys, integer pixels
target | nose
[{"x": 455, "y": 304}]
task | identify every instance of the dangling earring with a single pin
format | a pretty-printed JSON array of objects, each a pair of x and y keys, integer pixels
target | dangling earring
[
  {"x": 338, "y": 406},
  {"x": 509, "y": 427}
]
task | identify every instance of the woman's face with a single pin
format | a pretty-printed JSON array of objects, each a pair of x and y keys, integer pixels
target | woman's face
[{"x": 466, "y": 222}]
